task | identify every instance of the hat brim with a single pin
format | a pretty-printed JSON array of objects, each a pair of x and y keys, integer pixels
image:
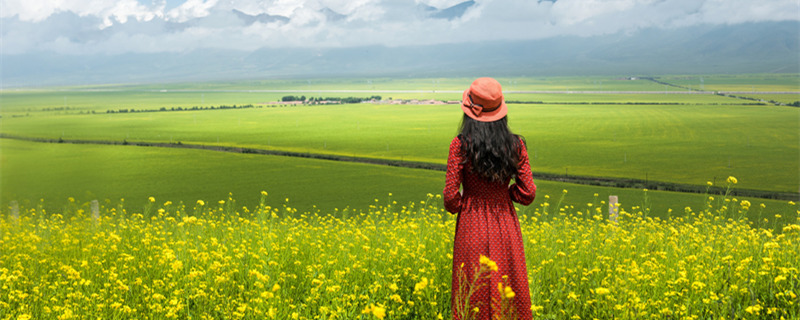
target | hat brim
[{"x": 490, "y": 116}]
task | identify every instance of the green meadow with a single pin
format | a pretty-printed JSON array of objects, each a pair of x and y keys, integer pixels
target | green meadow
[
  {"x": 113, "y": 97},
  {"x": 688, "y": 144},
  {"x": 737, "y": 82},
  {"x": 780, "y": 98},
  {"x": 47, "y": 174},
  {"x": 669, "y": 137}
]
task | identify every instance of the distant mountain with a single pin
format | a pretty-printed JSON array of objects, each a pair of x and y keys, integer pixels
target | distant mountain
[
  {"x": 449, "y": 13},
  {"x": 743, "y": 48},
  {"x": 453, "y": 12},
  {"x": 262, "y": 18}
]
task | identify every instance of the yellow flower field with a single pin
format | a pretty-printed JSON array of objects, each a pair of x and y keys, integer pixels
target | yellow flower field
[{"x": 214, "y": 260}]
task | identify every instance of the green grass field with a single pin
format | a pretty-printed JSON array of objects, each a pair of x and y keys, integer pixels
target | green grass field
[
  {"x": 688, "y": 144},
  {"x": 32, "y": 172},
  {"x": 737, "y": 82},
  {"x": 703, "y": 138},
  {"x": 55, "y": 102},
  {"x": 782, "y": 98},
  {"x": 581, "y": 83}
]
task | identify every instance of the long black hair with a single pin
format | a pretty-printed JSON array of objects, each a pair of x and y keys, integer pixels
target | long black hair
[{"x": 491, "y": 147}]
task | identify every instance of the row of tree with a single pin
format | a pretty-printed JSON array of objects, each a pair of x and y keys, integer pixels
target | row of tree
[
  {"x": 337, "y": 99},
  {"x": 195, "y": 108}
]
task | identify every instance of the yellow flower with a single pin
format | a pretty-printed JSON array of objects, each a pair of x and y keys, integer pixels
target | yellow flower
[
  {"x": 276, "y": 287},
  {"x": 601, "y": 291},
  {"x": 509, "y": 293},
  {"x": 24, "y": 317},
  {"x": 379, "y": 312},
  {"x": 393, "y": 287},
  {"x": 201, "y": 203},
  {"x": 572, "y": 296},
  {"x": 732, "y": 180},
  {"x": 771, "y": 245},
  {"x": 697, "y": 285},
  {"x": 421, "y": 285},
  {"x": 709, "y": 183},
  {"x": 791, "y": 228},
  {"x": 484, "y": 260},
  {"x": 152, "y": 199},
  {"x": 176, "y": 266},
  {"x": 780, "y": 278},
  {"x": 756, "y": 309},
  {"x": 745, "y": 204},
  {"x": 264, "y": 193}
]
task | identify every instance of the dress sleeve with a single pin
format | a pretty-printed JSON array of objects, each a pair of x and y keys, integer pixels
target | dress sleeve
[
  {"x": 523, "y": 190},
  {"x": 452, "y": 197}
]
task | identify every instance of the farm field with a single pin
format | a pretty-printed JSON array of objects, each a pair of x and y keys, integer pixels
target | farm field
[
  {"x": 392, "y": 84},
  {"x": 688, "y": 144},
  {"x": 110, "y": 173},
  {"x": 34, "y": 102},
  {"x": 740, "y": 82},
  {"x": 782, "y": 98},
  {"x": 153, "y": 96}
]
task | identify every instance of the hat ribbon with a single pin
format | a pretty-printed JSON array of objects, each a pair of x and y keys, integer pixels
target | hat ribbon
[{"x": 476, "y": 108}]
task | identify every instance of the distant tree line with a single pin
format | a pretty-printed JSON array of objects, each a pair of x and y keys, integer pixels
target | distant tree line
[
  {"x": 195, "y": 108},
  {"x": 293, "y": 98},
  {"x": 313, "y": 100},
  {"x": 777, "y": 103}
]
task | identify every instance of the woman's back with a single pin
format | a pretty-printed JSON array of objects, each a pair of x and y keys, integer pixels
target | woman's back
[{"x": 483, "y": 159}]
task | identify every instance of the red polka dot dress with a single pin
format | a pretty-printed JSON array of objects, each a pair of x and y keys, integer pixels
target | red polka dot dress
[{"x": 487, "y": 224}]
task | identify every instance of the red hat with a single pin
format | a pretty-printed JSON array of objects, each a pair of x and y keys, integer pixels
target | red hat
[{"x": 483, "y": 101}]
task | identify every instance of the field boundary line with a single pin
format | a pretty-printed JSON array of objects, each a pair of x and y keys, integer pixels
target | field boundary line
[{"x": 628, "y": 183}]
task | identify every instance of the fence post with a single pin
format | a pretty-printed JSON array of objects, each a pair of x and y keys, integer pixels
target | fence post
[
  {"x": 95, "y": 211},
  {"x": 613, "y": 209},
  {"x": 14, "y": 211}
]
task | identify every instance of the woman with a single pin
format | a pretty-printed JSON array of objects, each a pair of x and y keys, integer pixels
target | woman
[{"x": 483, "y": 159}]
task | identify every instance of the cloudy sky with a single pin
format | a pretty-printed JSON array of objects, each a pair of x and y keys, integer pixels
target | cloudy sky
[{"x": 146, "y": 26}]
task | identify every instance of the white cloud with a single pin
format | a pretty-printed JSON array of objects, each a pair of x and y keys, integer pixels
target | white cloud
[
  {"x": 120, "y": 10},
  {"x": 191, "y": 9},
  {"x": 115, "y": 26}
]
